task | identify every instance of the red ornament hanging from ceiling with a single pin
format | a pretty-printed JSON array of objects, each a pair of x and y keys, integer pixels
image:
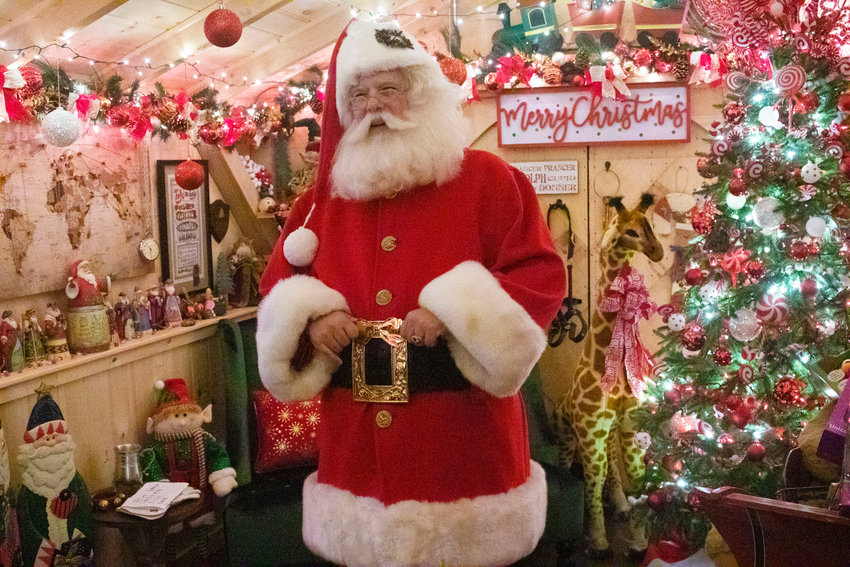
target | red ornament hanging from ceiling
[
  {"x": 189, "y": 175},
  {"x": 222, "y": 27}
]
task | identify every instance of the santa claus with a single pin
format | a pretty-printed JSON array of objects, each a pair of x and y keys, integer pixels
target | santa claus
[
  {"x": 84, "y": 289},
  {"x": 434, "y": 259}
]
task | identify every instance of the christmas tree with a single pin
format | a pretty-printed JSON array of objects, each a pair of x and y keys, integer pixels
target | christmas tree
[{"x": 760, "y": 315}]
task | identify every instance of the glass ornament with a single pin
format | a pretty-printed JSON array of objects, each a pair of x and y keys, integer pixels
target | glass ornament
[
  {"x": 765, "y": 214},
  {"x": 745, "y": 325}
]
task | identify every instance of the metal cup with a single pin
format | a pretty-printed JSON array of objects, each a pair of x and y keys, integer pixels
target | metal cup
[{"x": 128, "y": 477}]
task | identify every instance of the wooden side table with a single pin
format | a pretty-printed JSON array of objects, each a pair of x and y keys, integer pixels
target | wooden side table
[{"x": 143, "y": 537}]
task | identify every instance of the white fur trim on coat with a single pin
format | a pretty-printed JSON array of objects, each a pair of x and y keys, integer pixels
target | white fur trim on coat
[
  {"x": 496, "y": 529},
  {"x": 492, "y": 338},
  {"x": 281, "y": 318}
]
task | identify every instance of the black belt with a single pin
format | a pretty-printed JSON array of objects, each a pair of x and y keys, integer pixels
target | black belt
[{"x": 429, "y": 369}]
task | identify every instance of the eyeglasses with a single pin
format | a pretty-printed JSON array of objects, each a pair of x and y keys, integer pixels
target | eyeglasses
[{"x": 386, "y": 95}]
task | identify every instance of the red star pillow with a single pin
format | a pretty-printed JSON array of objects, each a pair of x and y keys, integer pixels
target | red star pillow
[{"x": 288, "y": 433}]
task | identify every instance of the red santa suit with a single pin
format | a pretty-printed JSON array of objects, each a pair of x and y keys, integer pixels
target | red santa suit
[
  {"x": 446, "y": 477},
  {"x": 83, "y": 293}
]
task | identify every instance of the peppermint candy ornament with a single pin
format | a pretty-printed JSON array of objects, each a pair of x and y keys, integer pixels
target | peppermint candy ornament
[
  {"x": 789, "y": 80},
  {"x": 772, "y": 309},
  {"x": 745, "y": 373},
  {"x": 807, "y": 192},
  {"x": 750, "y": 353}
]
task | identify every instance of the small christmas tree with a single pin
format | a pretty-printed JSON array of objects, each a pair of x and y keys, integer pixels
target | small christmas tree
[{"x": 760, "y": 315}]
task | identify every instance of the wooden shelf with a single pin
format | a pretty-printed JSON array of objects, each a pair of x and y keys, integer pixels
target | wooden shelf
[{"x": 21, "y": 384}]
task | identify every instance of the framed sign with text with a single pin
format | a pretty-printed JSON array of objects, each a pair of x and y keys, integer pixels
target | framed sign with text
[
  {"x": 551, "y": 177},
  {"x": 655, "y": 112},
  {"x": 183, "y": 233}
]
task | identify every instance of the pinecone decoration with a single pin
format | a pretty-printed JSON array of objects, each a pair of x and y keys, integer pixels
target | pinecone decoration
[
  {"x": 682, "y": 69},
  {"x": 316, "y": 105},
  {"x": 179, "y": 124},
  {"x": 583, "y": 58},
  {"x": 551, "y": 74},
  {"x": 167, "y": 112}
]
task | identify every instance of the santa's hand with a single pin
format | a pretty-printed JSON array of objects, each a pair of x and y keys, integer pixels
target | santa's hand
[
  {"x": 332, "y": 333},
  {"x": 222, "y": 486},
  {"x": 422, "y": 327}
]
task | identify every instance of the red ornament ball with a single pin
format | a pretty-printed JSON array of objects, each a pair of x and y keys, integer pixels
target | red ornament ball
[
  {"x": 693, "y": 276},
  {"x": 702, "y": 221},
  {"x": 809, "y": 99},
  {"x": 756, "y": 269},
  {"x": 722, "y": 357},
  {"x": 671, "y": 464},
  {"x": 656, "y": 501},
  {"x": 844, "y": 102},
  {"x": 189, "y": 175},
  {"x": 672, "y": 397},
  {"x": 578, "y": 80},
  {"x": 222, "y": 28},
  {"x": 693, "y": 338},
  {"x": 756, "y": 452},
  {"x": 687, "y": 391},
  {"x": 491, "y": 82},
  {"x": 799, "y": 250},
  {"x": 741, "y": 416},
  {"x": 737, "y": 187},
  {"x": 454, "y": 69}
]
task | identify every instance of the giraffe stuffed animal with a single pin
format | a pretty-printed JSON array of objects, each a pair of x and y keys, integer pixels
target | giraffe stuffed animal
[{"x": 594, "y": 418}]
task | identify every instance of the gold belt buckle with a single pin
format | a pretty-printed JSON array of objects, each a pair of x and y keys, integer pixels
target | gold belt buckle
[{"x": 395, "y": 393}]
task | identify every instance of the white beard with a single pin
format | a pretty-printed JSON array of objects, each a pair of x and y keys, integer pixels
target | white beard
[
  {"x": 47, "y": 470},
  {"x": 88, "y": 276},
  {"x": 379, "y": 161}
]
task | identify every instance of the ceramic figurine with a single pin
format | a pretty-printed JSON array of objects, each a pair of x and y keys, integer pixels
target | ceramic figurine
[
  {"x": 173, "y": 317},
  {"x": 11, "y": 351},
  {"x": 54, "y": 332},
  {"x": 34, "y": 353}
]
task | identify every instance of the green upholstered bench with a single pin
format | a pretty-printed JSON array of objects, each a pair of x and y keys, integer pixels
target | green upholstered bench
[{"x": 262, "y": 517}]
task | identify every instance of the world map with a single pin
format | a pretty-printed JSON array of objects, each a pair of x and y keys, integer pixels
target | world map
[{"x": 90, "y": 200}]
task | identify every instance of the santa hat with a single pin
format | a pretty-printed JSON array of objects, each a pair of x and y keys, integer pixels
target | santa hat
[
  {"x": 45, "y": 419},
  {"x": 369, "y": 47},
  {"x": 171, "y": 395},
  {"x": 363, "y": 47},
  {"x": 75, "y": 267}
]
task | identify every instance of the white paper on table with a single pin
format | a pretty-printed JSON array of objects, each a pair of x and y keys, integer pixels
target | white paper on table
[{"x": 153, "y": 499}]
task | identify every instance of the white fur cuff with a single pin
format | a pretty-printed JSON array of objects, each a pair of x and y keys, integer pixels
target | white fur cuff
[
  {"x": 493, "y": 339},
  {"x": 221, "y": 473},
  {"x": 281, "y": 318},
  {"x": 496, "y": 529}
]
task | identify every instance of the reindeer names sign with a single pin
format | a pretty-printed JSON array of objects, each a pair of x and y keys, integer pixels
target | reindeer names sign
[{"x": 657, "y": 112}]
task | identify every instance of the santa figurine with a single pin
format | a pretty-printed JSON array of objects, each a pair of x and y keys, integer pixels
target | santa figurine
[
  {"x": 124, "y": 317},
  {"x": 180, "y": 450},
  {"x": 54, "y": 332},
  {"x": 11, "y": 351},
  {"x": 88, "y": 320},
  {"x": 84, "y": 288},
  {"x": 54, "y": 507},
  {"x": 33, "y": 339}
]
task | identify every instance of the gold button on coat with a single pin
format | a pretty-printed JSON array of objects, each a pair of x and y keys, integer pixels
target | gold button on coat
[
  {"x": 384, "y": 296},
  {"x": 384, "y": 419},
  {"x": 388, "y": 243}
]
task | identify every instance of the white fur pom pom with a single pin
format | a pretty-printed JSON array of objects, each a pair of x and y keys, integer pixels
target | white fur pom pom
[
  {"x": 159, "y": 385},
  {"x": 300, "y": 247}
]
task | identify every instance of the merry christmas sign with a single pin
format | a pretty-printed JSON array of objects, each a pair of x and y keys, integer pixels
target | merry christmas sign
[{"x": 657, "y": 112}]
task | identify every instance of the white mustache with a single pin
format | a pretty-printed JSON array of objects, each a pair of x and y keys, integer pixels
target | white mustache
[{"x": 360, "y": 130}]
